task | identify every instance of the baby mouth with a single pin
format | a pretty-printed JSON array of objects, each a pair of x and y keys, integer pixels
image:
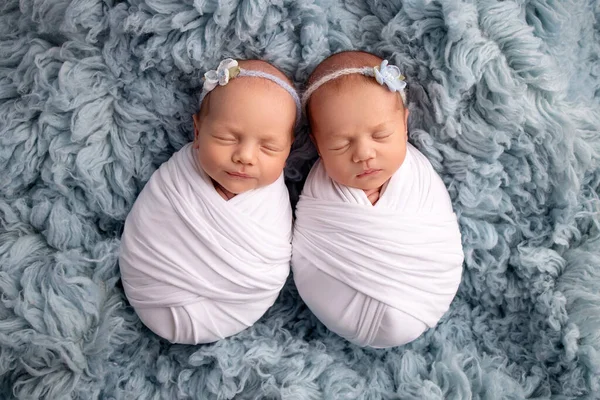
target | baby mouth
[
  {"x": 239, "y": 175},
  {"x": 368, "y": 172}
]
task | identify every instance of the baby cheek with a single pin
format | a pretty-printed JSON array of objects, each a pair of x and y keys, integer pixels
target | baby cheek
[
  {"x": 339, "y": 168},
  {"x": 398, "y": 153},
  {"x": 272, "y": 168},
  {"x": 211, "y": 157}
]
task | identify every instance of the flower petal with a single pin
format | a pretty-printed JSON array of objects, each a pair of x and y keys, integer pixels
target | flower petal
[
  {"x": 223, "y": 77},
  {"x": 378, "y": 76},
  {"x": 228, "y": 63},
  {"x": 211, "y": 76},
  {"x": 209, "y": 85},
  {"x": 396, "y": 85},
  {"x": 393, "y": 71}
]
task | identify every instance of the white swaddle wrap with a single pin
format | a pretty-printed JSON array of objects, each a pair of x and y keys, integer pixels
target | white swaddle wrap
[
  {"x": 378, "y": 275},
  {"x": 198, "y": 268}
]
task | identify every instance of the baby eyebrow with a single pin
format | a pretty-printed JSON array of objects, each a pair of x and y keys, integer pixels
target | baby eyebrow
[
  {"x": 229, "y": 127},
  {"x": 379, "y": 127},
  {"x": 271, "y": 138},
  {"x": 348, "y": 135},
  {"x": 335, "y": 133},
  {"x": 340, "y": 137}
]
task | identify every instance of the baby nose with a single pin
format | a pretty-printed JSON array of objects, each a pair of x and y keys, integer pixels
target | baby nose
[
  {"x": 363, "y": 152},
  {"x": 245, "y": 155}
]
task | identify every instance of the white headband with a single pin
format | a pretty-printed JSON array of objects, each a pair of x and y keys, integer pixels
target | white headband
[
  {"x": 229, "y": 68},
  {"x": 384, "y": 74}
]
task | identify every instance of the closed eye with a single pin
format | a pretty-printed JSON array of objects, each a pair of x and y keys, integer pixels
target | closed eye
[
  {"x": 382, "y": 135},
  {"x": 225, "y": 139},
  {"x": 272, "y": 149},
  {"x": 339, "y": 147}
]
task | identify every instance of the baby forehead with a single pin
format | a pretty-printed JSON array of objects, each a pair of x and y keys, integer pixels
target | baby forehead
[
  {"x": 248, "y": 132},
  {"x": 250, "y": 121},
  {"x": 353, "y": 90},
  {"x": 253, "y": 94}
]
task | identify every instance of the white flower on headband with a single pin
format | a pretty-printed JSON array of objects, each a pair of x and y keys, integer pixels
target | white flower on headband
[
  {"x": 389, "y": 75},
  {"x": 228, "y": 68}
]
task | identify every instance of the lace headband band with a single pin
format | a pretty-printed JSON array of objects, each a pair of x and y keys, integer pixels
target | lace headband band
[
  {"x": 384, "y": 74},
  {"x": 229, "y": 69}
]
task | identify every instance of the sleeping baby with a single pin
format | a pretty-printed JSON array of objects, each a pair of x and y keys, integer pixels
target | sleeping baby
[
  {"x": 206, "y": 247},
  {"x": 377, "y": 252}
]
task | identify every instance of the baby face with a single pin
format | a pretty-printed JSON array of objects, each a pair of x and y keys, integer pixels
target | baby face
[
  {"x": 360, "y": 130},
  {"x": 245, "y": 136}
]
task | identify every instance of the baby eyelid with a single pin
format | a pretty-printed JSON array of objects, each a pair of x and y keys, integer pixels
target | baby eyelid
[
  {"x": 339, "y": 143},
  {"x": 272, "y": 148},
  {"x": 225, "y": 138},
  {"x": 340, "y": 146},
  {"x": 382, "y": 135}
]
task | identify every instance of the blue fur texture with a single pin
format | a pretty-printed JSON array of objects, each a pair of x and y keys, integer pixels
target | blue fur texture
[{"x": 505, "y": 102}]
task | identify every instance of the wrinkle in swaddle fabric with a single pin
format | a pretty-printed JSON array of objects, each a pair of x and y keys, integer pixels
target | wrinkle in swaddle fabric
[
  {"x": 197, "y": 268},
  {"x": 379, "y": 275}
]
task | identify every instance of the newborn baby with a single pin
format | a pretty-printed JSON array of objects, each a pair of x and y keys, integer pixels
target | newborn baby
[
  {"x": 207, "y": 245},
  {"x": 377, "y": 252}
]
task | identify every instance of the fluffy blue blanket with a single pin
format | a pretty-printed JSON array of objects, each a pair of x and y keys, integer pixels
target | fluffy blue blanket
[{"x": 505, "y": 102}]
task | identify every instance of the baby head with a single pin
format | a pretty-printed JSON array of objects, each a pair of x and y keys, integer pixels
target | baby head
[
  {"x": 358, "y": 124},
  {"x": 244, "y": 129}
]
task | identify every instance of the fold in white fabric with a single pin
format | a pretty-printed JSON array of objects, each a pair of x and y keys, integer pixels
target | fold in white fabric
[
  {"x": 197, "y": 268},
  {"x": 378, "y": 275}
]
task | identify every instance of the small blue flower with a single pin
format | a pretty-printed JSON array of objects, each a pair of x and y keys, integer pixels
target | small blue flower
[{"x": 390, "y": 75}]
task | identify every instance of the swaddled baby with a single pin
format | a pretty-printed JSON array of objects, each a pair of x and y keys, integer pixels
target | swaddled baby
[
  {"x": 207, "y": 245},
  {"x": 377, "y": 252}
]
